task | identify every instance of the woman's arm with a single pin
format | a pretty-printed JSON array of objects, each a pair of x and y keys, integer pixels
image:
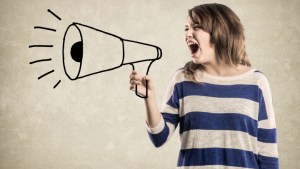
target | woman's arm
[
  {"x": 267, "y": 139},
  {"x": 160, "y": 124},
  {"x": 153, "y": 116}
]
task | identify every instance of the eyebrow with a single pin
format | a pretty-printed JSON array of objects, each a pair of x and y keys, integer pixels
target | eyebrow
[{"x": 192, "y": 24}]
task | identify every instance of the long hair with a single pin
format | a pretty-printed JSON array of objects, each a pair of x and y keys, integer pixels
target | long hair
[{"x": 226, "y": 34}]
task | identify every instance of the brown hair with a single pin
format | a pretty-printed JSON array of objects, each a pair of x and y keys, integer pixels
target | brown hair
[{"x": 226, "y": 34}]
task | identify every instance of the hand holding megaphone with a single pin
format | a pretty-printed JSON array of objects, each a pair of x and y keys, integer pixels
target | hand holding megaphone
[{"x": 141, "y": 84}]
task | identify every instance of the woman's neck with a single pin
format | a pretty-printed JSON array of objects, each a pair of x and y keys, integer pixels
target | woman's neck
[{"x": 225, "y": 69}]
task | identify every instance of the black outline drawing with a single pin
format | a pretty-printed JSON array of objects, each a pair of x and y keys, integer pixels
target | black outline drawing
[
  {"x": 56, "y": 84},
  {"x": 54, "y": 14},
  {"x": 40, "y": 27},
  {"x": 43, "y": 75},
  {"x": 45, "y": 46},
  {"x": 41, "y": 60},
  {"x": 159, "y": 55}
]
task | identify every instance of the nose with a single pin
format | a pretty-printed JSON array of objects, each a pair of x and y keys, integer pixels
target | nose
[{"x": 189, "y": 33}]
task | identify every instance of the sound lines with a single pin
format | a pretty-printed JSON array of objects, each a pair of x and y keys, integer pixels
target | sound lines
[
  {"x": 51, "y": 71},
  {"x": 56, "y": 84},
  {"x": 45, "y": 28},
  {"x": 47, "y": 46},
  {"x": 54, "y": 14},
  {"x": 41, "y": 60}
]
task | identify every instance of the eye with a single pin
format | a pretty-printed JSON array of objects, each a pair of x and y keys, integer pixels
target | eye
[
  {"x": 196, "y": 26},
  {"x": 186, "y": 29}
]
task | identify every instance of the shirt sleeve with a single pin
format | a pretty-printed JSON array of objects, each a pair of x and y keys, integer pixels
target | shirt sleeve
[
  {"x": 267, "y": 138},
  {"x": 169, "y": 113}
]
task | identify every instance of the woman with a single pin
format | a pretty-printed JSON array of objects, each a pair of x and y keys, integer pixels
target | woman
[{"x": 222, "y": 105}]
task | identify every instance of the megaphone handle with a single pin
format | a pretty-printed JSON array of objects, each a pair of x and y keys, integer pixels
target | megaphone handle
[
  {"x": 141, "y": 96},
  {"x": 136, "y": 86}
]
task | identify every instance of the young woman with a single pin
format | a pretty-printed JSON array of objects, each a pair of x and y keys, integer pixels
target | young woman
[{"x": 223, "y": 106}]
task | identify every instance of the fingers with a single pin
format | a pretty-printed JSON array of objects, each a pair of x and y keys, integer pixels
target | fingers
[
  {"x": 134, "y": 79},
  {"x": 133, "y": 73},
  {"x": 135, "y": 82},
  {"x": 134, "y": 76},
  {"x": 132, "y": 88}
]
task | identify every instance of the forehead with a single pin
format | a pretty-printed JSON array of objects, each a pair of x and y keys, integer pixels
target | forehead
[{"x": 189, "y": 21}]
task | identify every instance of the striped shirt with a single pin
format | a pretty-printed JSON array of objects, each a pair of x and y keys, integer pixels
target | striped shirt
[{"x": 224, "y": 122}]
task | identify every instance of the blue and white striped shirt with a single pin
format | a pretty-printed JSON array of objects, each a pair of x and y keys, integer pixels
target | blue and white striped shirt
[{"x": 224, "y": 122}]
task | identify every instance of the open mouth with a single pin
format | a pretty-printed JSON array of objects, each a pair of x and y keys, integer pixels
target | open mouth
[{"x": 193, "y": 47}]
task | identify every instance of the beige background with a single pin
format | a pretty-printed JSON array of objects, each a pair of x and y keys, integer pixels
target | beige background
[{"x": 96, "y": 122}]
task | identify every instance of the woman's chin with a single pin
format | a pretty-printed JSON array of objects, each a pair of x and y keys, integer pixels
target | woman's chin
[
  {"x": 196, "y": 61},
  {"x": 196, "y": 58}
]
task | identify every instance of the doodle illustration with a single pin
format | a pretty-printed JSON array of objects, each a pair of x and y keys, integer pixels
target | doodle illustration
[{"x": 83, "y": 49}]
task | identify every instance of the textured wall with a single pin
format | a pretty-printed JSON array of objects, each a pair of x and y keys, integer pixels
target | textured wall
[{"x": 96, "y": 122}]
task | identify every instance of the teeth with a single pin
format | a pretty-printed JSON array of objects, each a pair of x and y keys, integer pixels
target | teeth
[{"x": 191, "y": 43}]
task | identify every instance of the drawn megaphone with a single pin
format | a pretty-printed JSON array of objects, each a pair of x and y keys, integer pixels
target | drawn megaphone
[{"x": 88, "y": 51}]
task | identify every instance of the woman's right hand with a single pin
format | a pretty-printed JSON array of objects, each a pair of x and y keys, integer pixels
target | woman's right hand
[{"x": 140, "y": 81}]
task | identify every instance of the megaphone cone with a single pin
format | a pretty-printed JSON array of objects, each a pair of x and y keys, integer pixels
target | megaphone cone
[{"x": 88, "y": 51}]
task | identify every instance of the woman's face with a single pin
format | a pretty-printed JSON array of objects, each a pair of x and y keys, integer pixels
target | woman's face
[{"x": 198, "y": 42}]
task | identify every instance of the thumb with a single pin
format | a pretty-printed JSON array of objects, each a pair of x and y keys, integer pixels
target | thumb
[{"x": 150, "y": 82}]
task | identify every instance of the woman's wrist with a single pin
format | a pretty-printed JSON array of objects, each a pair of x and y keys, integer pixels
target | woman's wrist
[{"x": 150, "y": 95}]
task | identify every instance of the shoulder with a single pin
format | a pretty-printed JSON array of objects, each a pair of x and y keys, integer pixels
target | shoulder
[
  {"x": 261, "y": 78},
  {"x": 263, "y": 83},
  {"x": 178, "y": 76}
]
